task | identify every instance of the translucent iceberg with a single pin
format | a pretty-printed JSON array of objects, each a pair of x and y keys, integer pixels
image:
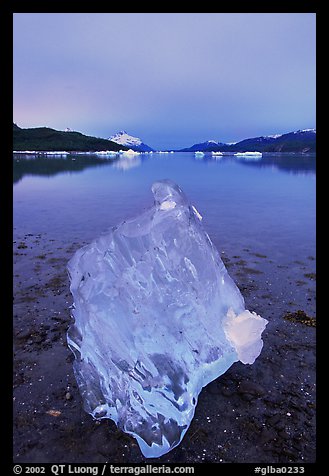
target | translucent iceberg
[{"x": 157, "y": 317}]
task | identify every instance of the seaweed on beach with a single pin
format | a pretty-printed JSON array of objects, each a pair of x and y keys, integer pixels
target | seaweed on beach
[{"x": 300, "y": 317}]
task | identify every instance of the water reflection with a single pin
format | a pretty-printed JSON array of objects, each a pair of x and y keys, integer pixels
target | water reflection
[
  {"x": 127, "y": 162},
  {"x": 53, "y": 165},
  {"x": 289, "y": 163},
  {"x": 231, "y": 194},
  {"x": 49, "y": 166},
  {"x": 294, "y": 163}
]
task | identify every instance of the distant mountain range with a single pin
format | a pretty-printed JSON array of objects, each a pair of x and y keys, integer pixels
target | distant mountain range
[
  {"x": 303, "y": 141},
  {"x": 47, "y": 139},
  {"x": 134, "y": 143}
]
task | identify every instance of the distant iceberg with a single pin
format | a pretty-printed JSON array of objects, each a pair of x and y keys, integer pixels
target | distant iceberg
[
  {"x": 129, "y": 153},
  {"x": 198, "y": 153},
  {"x": 107, "y": 153},
  {"x": 216, "y": 153},
  {"x": 39, "y": 152},
  {"x": 56, "y": 152},
  {"x": 249, "y": 154}
]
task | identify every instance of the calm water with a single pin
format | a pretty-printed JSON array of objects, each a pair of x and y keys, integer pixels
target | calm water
[{"x": 267, "y": 205}]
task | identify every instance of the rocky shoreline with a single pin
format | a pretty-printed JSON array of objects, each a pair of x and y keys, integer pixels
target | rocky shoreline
[{"x": 264, "y": 413}]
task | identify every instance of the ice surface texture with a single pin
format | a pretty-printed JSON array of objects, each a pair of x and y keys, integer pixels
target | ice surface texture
[{"x": 157, "y": 317}]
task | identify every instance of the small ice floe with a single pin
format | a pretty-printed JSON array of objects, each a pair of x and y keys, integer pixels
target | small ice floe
[
  {"x": 42, "y": 152},
  {"x": 129, "y": 153},
  {"x": 56, "y": 152},
  {"x": 216, "y": 153},
  {"x": 107, "y": 153},
  {"x": 198, "y": 153},
  {"x": 249, "y": 154}
]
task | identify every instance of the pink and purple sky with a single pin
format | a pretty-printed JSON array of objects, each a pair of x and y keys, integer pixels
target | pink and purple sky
[{"x": 172, "y": 79}]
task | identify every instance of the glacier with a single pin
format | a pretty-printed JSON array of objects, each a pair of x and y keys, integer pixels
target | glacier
[{"x": 156, "y": 317}]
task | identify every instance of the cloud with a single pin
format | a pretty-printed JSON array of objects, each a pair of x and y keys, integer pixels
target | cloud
[{"x": 165, "y": 71}]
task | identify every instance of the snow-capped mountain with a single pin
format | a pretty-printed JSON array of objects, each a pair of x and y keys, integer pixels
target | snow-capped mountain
[
  {"x": 302, "y": 134},
  {"x": 297, "y": 141},
  {"x": 303, "y": 140},
  {"x": 312, "y": 131},
  {"x": 134, "y": 143},
  {"x": 208, "y": 146}
]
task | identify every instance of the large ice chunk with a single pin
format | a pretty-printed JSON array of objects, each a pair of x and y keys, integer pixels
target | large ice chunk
[{"x": 157, "y": 317}]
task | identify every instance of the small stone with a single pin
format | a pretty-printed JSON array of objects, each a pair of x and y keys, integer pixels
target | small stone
[
  {"x": 267, "y": 435},
  {"x": 273, "y": 420},
  {"x": 68, "y": 396},
  {"x": 227, "y": 392},
  {"x": 280, "y": 425},
  {"x": 54, "y": 413},
  {"x": 213, "y": 388},
  {"x": 24, "y": 334},
  {"x": 290, "y": 452},
  {"x": 251, "y": 388},
  {"x": 284, "y": 434}
]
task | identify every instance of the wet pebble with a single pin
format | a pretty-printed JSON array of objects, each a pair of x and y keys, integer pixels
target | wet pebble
[
  {"x": 274, "y": 419},
  {"x": 251, "y": 388},
  {"x": 227, "y": 392},
  {"x": 214, "y": 388},
  {"x": 267, "y": 434}
]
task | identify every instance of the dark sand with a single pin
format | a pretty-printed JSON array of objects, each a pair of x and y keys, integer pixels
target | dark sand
[{"x": 263, "y": 413}]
